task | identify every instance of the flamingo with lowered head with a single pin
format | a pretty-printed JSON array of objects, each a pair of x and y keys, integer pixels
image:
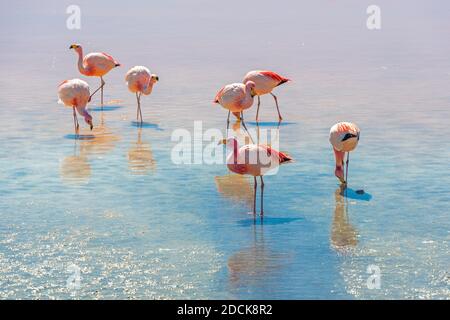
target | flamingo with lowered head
[
  {"x": 344, "y": 137},
  {"x": 95, "y": 64},
  {"x": 75, "y": 93},
  {"x": 265, "y": 82},
  {"x": 255, "y": 160},
  {"x": 236, "y": 97},
  {"x": 140, "y": 81}
]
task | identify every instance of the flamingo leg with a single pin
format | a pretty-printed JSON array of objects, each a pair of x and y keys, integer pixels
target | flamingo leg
[
  {"x": 257, "y": 110},
  {"x": 140, "y": 110},
  {"x": 254, "y": 195},
  {"x": 137, "y": 109},
  {"x": 96, "y": 90},
  {"x": 245, "y": 127},
  {"x": 262, "y": 196},
  {"x": 257, "y": 133},
  {"x": 228, "y": 122},
  {"x": 75, "y": 121},
  {"x": 276, "y": 103},
  {"x": 346, "y": 168},
  {"x": 101, "y": 90}
]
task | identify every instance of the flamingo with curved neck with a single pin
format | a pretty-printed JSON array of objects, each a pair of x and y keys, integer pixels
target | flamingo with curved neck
[
  {"x": 236, "y": 98},
  {"x": 75, "y": 93},
  {"x": 95, "y": 64},
  {"x": 344, "y": 137},
  {"x": 140, "y": 81}
]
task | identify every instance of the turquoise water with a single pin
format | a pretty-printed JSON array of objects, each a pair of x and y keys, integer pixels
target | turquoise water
[{"x": 139, "y": 226}]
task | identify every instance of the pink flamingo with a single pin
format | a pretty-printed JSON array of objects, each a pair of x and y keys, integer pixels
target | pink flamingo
[
  {"x": 344, "y": 137},
  {"x": 140, "y": 81},
  {"x": 95, "y": 64},
  {"x": 236, "y": 97},
  {"x": 75, "y": 93},
  {"x": 265, "y": 82},
  {"x": 255, "y": 160}
]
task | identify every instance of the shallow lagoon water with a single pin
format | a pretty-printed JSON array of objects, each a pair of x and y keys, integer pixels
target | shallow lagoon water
[{"x": 139, "y": 226}]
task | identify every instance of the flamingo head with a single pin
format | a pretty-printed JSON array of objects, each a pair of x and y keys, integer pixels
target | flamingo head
[
  {"x": 250, "y": 85},
  {"x": 88, "y": 119},
  {"x": 76, "y": 47},
  {"x": 350, "y": 141},
  {"x": 154, "y": 78}
]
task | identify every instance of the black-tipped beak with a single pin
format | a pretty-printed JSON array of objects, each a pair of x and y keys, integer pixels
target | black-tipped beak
[
  {"x": 71, "y": 47},
  {"x": 157, "y": 78},
  {"x": 223, "y": 141},
  {"x": 92, "y": 127}
]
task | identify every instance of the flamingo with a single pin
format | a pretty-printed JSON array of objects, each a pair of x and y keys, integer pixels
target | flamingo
[
  {"x": 254, "y": 160},
  {"x": 75, "y": 93},
  {"x": 95, "y": 64},
  {"x": 140, "y": 81},
  {"x": 344, "y": 137},
  {"x": 236, "y": 97},
  {"x": 265, "y": 82}
]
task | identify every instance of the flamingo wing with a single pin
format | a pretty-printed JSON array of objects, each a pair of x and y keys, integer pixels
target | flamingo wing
[
  {"x": 282, "y": 157},
  {"x": 275, "y": 76},
  {"x": 111, "y": 59}
]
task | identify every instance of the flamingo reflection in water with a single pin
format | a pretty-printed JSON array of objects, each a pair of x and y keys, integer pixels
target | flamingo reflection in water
[
  {"x": 256, "y": 263},
  {"x": 344, "y": 236},
  {"x": 140, "y": 157},
  {"x": 101, "y": 141}
]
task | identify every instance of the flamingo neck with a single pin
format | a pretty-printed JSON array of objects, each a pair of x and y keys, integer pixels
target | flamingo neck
[
  {"x": 248, "y": 94},
  {"x": 149, "y": 88},
  {"x": 339, "y": 157},
  {"x": 82, "y": 111},
  {"x": 81, "y": 67}
]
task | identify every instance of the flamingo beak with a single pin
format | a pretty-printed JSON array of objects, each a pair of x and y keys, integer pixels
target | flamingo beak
[
  {"x": 92, "y": 126},
  {"x": 72, "y": 47},
  {"x": 223, "y": 141}
]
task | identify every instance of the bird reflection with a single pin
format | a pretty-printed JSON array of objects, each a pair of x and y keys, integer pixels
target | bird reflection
[
  {"x": 235, "y": 187},
  {"x": 344, "y": 236},
  {"x": 75, "y": 170},
  {"x": 254, "y": 264},
  {"x": 103, "y": 140},
  {"x": 140, "y": 157}
]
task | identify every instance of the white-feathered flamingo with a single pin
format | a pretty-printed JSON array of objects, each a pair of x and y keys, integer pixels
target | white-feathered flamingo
[
  {"x": 236, "y": 98},
  {"x": 344, "y": 137},
  {"x": 75, "y": 94},
  {"x": 140, "y": 81},
  {"x": 265, "y": 82},
  {"x": 95, "y": 64},
  {"x": 255, "y": 160}
]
